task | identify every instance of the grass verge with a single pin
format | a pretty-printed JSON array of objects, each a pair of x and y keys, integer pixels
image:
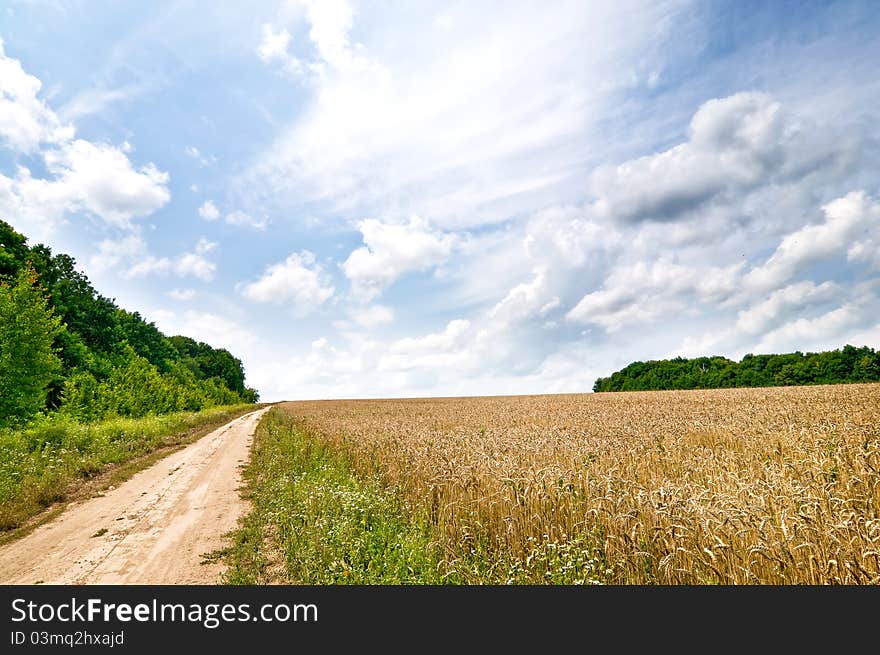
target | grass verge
[
  {"x": 316, "y": 519},
  {"x": 313, "y": 521},
  {"x": 57, "y": 460}
]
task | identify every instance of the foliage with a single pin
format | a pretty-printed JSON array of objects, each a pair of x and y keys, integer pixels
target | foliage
[
  {"x": 112, "y": 362},
  {"x": 207, "y": 362},
  {"x": 28, "y": 362},
  {"x": 849, "y": 364}
]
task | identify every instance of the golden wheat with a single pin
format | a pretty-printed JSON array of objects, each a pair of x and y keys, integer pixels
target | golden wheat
[{"x": 777, "y": 486}]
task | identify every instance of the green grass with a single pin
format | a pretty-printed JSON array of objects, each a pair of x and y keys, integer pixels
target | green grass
[
  {"x": 316, "y": 520},
  {"x": 50, "y": 459}
]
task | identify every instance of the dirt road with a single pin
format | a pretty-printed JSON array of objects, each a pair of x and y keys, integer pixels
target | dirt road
[{"x": 152, "y": 529}]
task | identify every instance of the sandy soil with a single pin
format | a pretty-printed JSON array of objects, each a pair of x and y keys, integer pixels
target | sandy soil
[{"x": 152, "y": 529}]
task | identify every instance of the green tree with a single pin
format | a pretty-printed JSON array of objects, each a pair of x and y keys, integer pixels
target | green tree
[
  {"x": 13, "y": 250},
  {"x": 28, "y": 362},
  {"x": 849, "y": 364}
]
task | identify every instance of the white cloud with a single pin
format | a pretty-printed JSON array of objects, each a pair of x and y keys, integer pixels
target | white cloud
[
  {"x": 26, "y": 122},
  {"x": 194, "y": 265},
  {"x": 847, "y": 218},
  {"x": 782, "y": 303},
  {"x": 390, "y": 250},
  {"x": 298, "y": 281},
  {"x": 273, "y": 48},
  {"x": 111, "y": 252},
  {"x": 203, "y": 246},
  {"x": 274, "y": 45},
  {"x": 735, "y": 144},
  {"x": 182, "y": 294},
  {"x": 372, "y": 316},
  {"x": 330, "y": 22},
  {"x": 772, "y": 313},
  {"x": 820, "y": 333},
  {"x": 689, "y": 227},
  {"x": 242, "y": 219},
  {"x": 209, "y": 327},
  {"x": 468, "y": 125},
  {"x": 133, "y": 252},
  {"x": 209, "y": 211},
  {"x": 643, "y": 291},
  {"x": 100, "y": 179},
  {"x": 83, "y": 176},
  {"x": 567, "y": 236},
  {"x": 97, "y": 179},
  {"x": 524, "y": 300},
  {"x": 448, "y": 348}
]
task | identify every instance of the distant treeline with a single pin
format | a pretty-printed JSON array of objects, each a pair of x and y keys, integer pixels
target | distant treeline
[
  {"x": 849, "y": 364},
  {"x": 64, "y": 347}
]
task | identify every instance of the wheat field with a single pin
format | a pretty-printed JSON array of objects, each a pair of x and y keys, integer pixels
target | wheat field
[{"x": 736, "y": 486}]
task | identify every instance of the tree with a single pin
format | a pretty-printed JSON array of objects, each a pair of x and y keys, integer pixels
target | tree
[
  {"x": 13, "y": 250},
  {"x": 28, "y": 361},
  {"x": 112, "y": 362},
  {"x": 850, "y": 364}
]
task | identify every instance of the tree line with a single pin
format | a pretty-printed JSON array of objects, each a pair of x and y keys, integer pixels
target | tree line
[
  {"x": 66, "y": 348},
  {"x": 849, "y": 364}
]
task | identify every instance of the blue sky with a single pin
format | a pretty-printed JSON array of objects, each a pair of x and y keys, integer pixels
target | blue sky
[{"x": 409, "y": 199}]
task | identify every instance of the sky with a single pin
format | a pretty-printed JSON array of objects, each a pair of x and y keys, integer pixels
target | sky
[{"x": 387, "y": 199}]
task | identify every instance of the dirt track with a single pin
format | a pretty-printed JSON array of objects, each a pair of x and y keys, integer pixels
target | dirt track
[{"x": 152, "y": 529}]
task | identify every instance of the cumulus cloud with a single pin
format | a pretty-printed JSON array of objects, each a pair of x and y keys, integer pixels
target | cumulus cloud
[
  {"x": 102, "y": 180},
  {"x": 691, "y": 226},
  {"x": 567, "y": 236},
  {"x": 26, "y": 122},
  {"x": 95, "y": 178},
  {"x": 194, "y": 264},
  {"x": 782, "y": 304},
  {"x": 847, "y": 219},
  {"x": 133, "y": 252},
  {"x": 391, "y": 250},
  {"x": 734, "y": 145},
  {"x": 644, "y": 291},
  {"x": 273, "y": 48},
  {"x": 773, "y": 310},
  {"x": 447, "y": 348},
  {"x": 273, "y": 45},
  {"x": 524, "y": 300},
  {"x": 208, "y": 211},
  {"x": 112, "y": 252},
  {"x": 330, "y": 23},
  {"x": 819, "y": 333},
  {"x": 298, "y": 281}
]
